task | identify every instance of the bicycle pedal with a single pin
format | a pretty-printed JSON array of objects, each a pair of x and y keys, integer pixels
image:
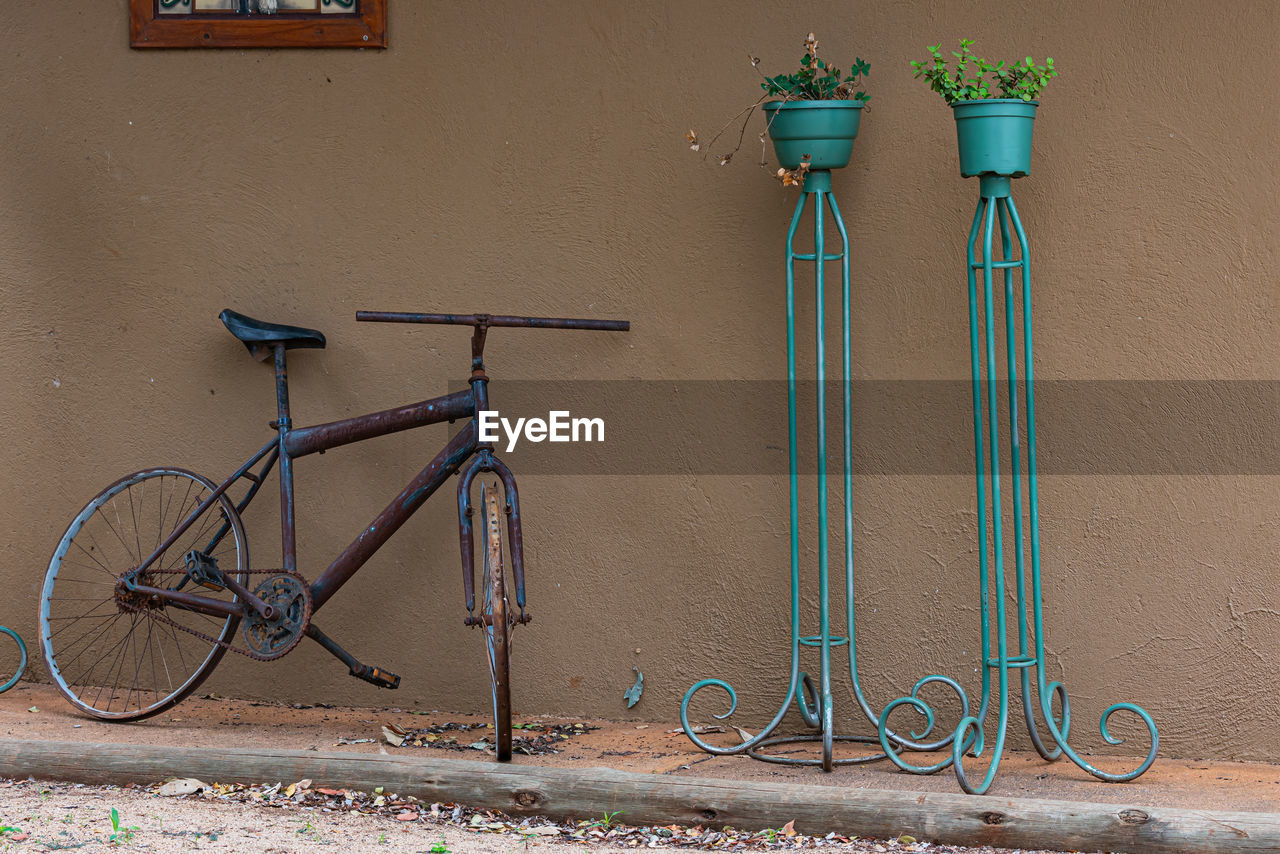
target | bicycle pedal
[{"x": 376, "y": 676}]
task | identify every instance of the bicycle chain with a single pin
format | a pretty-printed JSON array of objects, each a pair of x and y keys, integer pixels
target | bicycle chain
[{"x": 154, "y": 615}]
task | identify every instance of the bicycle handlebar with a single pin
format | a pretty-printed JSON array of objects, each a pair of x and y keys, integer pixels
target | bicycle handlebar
[{"x": 479, "y": 320}]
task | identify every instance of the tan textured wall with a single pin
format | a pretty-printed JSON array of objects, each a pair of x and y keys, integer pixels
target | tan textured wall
[{"x": 527, "y": 158}]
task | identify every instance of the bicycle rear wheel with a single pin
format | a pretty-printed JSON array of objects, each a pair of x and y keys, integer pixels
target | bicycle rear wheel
[
  {"x": 13, "y": 658},
  {"x": 114, "y": 654},
  {"x": 495, "y": 613}
]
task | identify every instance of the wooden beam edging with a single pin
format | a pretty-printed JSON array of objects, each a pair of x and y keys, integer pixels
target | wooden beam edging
[{"x": 653, "y": 799}]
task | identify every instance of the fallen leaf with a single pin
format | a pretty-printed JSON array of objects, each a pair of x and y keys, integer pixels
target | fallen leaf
[
  {"x": 288, "y": 792},
  {"x": 304, "y": 784},
  {"x": 480, "y": 745},
  {"x": 407, "y": 816},
  {"x": 342, "y": 740},
  {"x": 393, "y": 738},
  {"x": 184, "y": 786},
  {"x": 19, "y": 837},
  {"x": 789, "y": 829},
  {"x": 906, "y": 839},
  {"x": 330, "y": 792},
  {"x": 546, "y": 830},
  {"x": 632, "y": 695},
  {"x": 743, "y": 734},
  {"x": 700, "y": 729},
  {"x": 33, "y": 709}
]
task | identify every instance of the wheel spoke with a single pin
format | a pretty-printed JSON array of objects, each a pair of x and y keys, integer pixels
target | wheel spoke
[
  {"x": 113, "y": 528},
  {"x": 102, "y": 565}
]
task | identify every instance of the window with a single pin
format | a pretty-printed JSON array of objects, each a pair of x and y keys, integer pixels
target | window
[{"x": 258, "y": 23}]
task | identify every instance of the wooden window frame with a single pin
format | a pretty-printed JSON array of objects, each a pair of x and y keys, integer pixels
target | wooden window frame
[{"x": 148, "y": 28}]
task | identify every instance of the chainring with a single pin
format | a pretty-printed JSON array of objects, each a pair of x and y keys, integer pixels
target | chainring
[{"x": 267, "y": 639}]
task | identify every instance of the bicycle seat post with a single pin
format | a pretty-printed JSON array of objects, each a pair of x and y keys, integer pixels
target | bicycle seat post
[{"x": 288, "y": 542}]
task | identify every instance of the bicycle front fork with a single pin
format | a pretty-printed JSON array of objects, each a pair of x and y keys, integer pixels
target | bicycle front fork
[{"x": 485, "y": 461}]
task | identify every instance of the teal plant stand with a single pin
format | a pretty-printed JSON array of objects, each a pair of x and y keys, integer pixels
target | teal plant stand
[
  {"x": 997, "y": 210},
  {"x": 815, "y": 704}
]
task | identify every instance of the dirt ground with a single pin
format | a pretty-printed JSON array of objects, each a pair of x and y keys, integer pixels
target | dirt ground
[{"x": 58, "y": 816}]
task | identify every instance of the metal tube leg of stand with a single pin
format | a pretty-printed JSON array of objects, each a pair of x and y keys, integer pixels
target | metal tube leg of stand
[
  {"x": 912, "y": 700},
  {"x": 824, "y": 592},
  {"x": 1015, "y": 475},
  {"x": 795, "y": 681},
  {"x": 1001, "y": 663},
  {"x": 846, "y": 332},
  {"x": 805, "y": 692},
  {"x": 1048, "y": 691}
]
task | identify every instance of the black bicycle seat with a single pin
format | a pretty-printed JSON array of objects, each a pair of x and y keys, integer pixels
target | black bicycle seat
[{"x": 258, "y": 335}]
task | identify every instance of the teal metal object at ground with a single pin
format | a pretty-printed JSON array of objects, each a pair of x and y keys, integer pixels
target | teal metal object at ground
[
  {"x": 12, "y": 665},
  {"x": 815, "y": 703},
  {"x": 997, "y": 210}
]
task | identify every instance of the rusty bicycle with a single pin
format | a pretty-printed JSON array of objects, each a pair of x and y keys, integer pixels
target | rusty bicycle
[{"x": 151, "y": 584}]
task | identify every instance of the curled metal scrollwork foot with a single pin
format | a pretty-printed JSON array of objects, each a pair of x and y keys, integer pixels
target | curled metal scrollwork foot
[
  {"x": 888, "y": 737},
  {"x": 1060, "y": 736}
]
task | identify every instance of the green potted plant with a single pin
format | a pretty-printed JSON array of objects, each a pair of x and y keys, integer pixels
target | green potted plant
[
  {"x": 994, "y": 107},
  {"x": 812, "y": 115}
]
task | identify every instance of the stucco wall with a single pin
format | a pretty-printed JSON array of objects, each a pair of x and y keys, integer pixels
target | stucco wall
[{"x": 528, "y": 158}]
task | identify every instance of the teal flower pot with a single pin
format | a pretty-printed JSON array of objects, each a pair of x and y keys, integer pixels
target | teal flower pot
[
  {"x": 995, "y": 136},
  {"x": 824, "y": 130}
]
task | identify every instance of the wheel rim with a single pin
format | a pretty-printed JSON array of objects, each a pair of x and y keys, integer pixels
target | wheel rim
[
  {"x": 496, "y": 624},
  {"x": 107, "y": 659}
]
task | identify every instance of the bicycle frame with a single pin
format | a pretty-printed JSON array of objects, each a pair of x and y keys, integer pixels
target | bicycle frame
[{"x": 290, "y": 444}]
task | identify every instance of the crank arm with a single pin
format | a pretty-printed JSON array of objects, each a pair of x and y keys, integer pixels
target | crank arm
[{"x": 264, "y": 610}]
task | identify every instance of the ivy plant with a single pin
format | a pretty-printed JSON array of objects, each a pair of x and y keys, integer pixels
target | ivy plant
[
  {"x": 815, "y": 80},
  {"x": 976, "y": 79}
]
